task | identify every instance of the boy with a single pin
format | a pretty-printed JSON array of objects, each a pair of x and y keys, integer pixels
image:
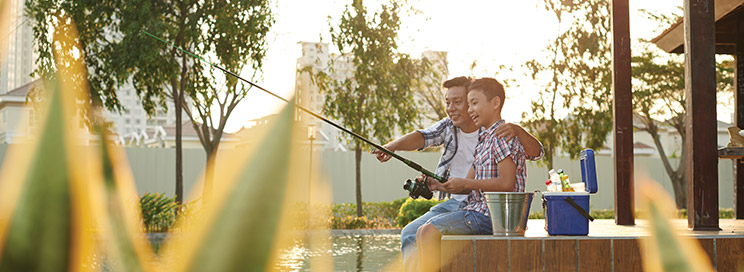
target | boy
[{"x": 499, "y": 166}]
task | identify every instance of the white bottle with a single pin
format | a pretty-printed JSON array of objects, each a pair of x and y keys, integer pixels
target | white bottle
[{"x": 556, "y": 179}]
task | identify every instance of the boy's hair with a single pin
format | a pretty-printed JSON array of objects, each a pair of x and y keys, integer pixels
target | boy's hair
[
  {"x": 457, "y": 82},
  {"x": 490, "y": 87}
]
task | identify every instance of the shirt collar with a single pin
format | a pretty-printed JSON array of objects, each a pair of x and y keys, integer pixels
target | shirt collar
[{"x": 491, "y": 129}]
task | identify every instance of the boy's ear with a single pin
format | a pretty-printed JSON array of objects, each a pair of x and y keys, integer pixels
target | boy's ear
[{"x": 497, "y": 103}]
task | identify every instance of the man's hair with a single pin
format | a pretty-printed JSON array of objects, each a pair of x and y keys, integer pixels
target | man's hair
[
  {"x": 457, "y": 82},
  {"x": 490, "y": 87}
]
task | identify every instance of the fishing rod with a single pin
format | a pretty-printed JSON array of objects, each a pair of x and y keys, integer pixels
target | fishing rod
[{"x": 410, "y": 163}]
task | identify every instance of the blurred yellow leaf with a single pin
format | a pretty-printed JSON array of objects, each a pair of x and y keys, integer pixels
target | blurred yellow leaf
[
  {"x": 240, "y": 224},
  {"x": 666, "y": 249}
]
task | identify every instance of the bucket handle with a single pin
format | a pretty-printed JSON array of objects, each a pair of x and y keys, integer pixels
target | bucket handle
[{"x": 578, "y": 208}]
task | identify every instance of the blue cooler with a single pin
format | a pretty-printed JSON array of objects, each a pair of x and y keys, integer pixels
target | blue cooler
[{"x": 567, "y": 213}]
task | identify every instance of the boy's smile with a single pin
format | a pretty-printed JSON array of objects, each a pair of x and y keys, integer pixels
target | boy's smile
[{"x": 481, "y": 109}]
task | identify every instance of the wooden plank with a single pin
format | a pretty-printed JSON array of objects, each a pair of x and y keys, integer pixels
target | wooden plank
[
  {"x": 701, "y": 130},
  {"x": 739, "y": 118},
  {"x": 709, "y": 248},
  {"x": 560, "y": 255},
  {"x": 525, "y": 255},
  {"x": 623, "y": 114},
  {"x": 491, "y": 255},
  {"x": 595, "y": 255},
  {"x": 627, "y": 255},
  {"x": 457, "y": 255},
  {"x": 731, "y": 152},
  {"x": 729, "y": 254}
]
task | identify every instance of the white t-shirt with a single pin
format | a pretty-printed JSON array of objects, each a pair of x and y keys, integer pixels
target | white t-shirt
[{"x": 463, "y": 158}]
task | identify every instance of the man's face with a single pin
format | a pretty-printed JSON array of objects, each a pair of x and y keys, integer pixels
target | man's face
[
  {"x": 456, "y": 105},
  {"x": 481, "y": 109}
]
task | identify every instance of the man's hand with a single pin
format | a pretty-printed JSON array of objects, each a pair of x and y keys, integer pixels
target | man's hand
[
  {"x": 382, "y": 156},
  {"x": 455, "y": 185},
  {"x": 508, "y": 131}
]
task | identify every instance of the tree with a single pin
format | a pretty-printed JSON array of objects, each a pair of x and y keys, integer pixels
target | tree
[
  {"x": 433, "y": 70},
  {"x": 377, "y": 96},
  {"x": 577, "y": 70},
  {"x": 659, "y": 93},
  {"x": 117, "y": 51}
]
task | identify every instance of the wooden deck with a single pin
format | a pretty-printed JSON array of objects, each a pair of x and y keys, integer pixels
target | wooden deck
[{"x": 608, "y": 247}]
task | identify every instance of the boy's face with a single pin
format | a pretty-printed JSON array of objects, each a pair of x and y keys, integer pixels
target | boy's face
[
  {"x": 482, "y": 109},
  {"x": 456, "y": 105}
]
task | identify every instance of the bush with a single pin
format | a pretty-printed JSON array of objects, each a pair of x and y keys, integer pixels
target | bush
[
  {"x": 412, "y": 209},
  {"x": 349, "y": 222},
  {"x": 158, "y": 212},
  {"x": 376, "y": 214}
]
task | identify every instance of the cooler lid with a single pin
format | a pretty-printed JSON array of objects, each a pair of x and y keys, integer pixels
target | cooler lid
[
  {"x": 565, "y": 193},
  {"x": 588, "y": 170}
]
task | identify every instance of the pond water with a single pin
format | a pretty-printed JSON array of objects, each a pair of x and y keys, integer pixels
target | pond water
[{"x": 348, "y": 253}]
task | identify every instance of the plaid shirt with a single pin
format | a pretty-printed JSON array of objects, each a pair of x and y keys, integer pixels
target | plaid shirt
[{"x": 489, "y": 151}]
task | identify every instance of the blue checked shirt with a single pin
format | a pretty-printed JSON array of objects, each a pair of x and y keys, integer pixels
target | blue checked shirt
[
  {"x": 489, "y": 151},
  {"x": 444, "y": 133}
]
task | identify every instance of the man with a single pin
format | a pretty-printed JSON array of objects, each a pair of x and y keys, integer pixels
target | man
[
  {"x": 459, "y": 135},
  {"x": 499, "y": 166}
]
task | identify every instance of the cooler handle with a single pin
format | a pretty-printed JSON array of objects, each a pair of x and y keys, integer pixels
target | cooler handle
[{"x": 578, "y": 208}]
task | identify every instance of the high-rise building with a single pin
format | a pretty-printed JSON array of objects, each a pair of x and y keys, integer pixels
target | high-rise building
[
  {"x": 17, "y": 63},
  {"x": 315, "y": 56},
  {"x": 134, "y": 119}
]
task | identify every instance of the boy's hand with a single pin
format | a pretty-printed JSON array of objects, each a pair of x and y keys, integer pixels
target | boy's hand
[
  {"x": 433, "y": 184},
  {"x": 382, "y": 156},
  {"x": 507, "y": 131},
  {"x": 455, "y": 185}
]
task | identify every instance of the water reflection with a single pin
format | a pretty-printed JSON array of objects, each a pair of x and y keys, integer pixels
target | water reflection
[
  {"x": 360, "y": 253},
  {"x": 348, "y": 253}
]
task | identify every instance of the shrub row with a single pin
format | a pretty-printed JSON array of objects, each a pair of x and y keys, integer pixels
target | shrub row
[{"x": 158, "y": 213}]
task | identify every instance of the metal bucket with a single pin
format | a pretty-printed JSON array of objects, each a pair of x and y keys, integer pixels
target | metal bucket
[{"x": 509, "y": 212}]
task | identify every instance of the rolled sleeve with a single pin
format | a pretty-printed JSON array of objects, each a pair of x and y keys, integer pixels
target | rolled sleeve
[
  {"x": 539, "y": 156},
  {"x": 434, "y": 135}
]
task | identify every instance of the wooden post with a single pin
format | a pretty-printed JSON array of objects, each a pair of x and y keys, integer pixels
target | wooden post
[
  {"x": 623, "y": 111},
  {"x": 739, "y": 117},
  {"x": 701, "y": 130}
]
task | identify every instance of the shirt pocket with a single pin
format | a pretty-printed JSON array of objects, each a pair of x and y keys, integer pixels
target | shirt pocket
[{"x": 484, "y": 161}]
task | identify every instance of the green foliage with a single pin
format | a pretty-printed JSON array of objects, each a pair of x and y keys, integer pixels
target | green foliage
[
  {"x": 414, "y": 208},
  {"x": 659, "y": 100},
  {"x": 379, "y": 214},
  {"x": 354, "y": 222},
  {"x": 376, "y": 100},
  {"x": 116, "y": 52},
  {"x": 158, "y": 212},
  {"x": 537, "y": 215},
  {"x": 577, "y": 68}
]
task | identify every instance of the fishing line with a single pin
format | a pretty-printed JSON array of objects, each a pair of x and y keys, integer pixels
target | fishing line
[{"x": 410, "y": 163}]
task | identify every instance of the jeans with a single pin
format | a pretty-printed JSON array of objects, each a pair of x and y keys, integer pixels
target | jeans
[
  {"x": 462, "y": 223},
  {"x": 408, "y": 234}
]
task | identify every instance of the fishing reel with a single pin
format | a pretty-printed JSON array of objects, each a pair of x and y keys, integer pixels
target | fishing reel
[{"x": 417, "y": 188}]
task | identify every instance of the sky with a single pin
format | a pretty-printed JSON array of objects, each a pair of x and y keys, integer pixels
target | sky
[{"x": 493, "y": 33}]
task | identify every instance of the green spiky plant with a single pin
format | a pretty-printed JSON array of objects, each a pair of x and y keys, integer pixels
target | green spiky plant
[
  {"x": 65, "y": 203},
  {"x": 158, "y": 211}
]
